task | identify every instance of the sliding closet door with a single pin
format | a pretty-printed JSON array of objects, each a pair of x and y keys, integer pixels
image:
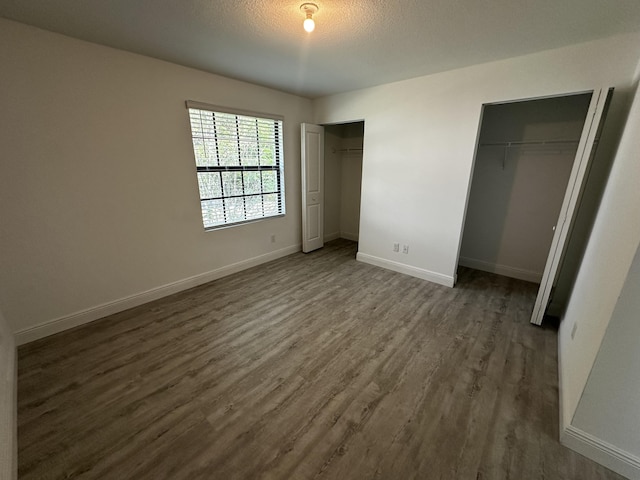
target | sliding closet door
[{"x": 592, "y": 123}]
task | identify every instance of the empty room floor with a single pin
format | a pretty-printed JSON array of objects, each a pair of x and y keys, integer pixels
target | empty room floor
[{"x": 309, "y": 367}]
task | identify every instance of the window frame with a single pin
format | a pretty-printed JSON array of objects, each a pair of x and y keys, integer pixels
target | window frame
[{"x": 278, "y": 166}]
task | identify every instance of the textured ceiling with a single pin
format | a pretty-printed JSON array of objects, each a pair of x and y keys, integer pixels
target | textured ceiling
[{"x": 357, "y": 43}]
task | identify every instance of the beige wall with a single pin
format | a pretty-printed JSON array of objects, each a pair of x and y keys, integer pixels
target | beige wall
[
  {"x": 350, "y": 195},
  {"x": 98, "y": 193},
  {"x": 8, "y": 441}
]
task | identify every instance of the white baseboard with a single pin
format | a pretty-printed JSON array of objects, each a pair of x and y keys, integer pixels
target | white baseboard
[
  {"x": 349, "y": 236},
  {"x": 602, "y": 452},
  {"x": 60, "y": 324},
  {"x": 513, "y": 272},
  {"x": 331, "y": 236},
  {"x": 406, "y": 269},
  {"x": 588, "y": 445}
]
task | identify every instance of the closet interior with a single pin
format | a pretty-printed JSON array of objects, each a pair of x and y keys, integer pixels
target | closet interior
[
  {"x": 524, "y": 159},
  {"x": 343, "y": 147}
]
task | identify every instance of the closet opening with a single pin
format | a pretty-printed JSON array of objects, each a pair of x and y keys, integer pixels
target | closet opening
[
  {"x": 331, "y": 182},
  {"x": 531, "y": 170},
  {"x": 343, "y": 147}
]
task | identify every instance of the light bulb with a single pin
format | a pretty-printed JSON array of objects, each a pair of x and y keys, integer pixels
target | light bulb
[
  {"x": 309, "y": 25},
  {"x": 309, "y": 9}
]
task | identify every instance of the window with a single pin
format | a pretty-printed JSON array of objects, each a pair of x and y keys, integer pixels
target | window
[{"x": 239, "y": 164}]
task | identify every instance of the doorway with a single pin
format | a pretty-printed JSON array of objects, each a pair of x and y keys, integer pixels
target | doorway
[
  {"x": 331, "y": 158},
  {"x": 343, "y": 148},
  {"x": 531, "y": 166}
]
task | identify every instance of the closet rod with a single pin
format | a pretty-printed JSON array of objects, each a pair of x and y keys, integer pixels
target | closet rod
[
  {"x": 347, "y": 150},
  {"x": 535, "y": 142}
]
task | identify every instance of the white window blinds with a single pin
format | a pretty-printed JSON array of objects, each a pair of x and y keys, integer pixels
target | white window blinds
[{"x": 239, "y": 164}]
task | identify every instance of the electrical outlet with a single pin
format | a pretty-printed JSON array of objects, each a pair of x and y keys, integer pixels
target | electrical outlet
[
  {"x": 273, "y": 239},
  {"x": 405, "y": 249},
  {"x": 573, "y": 330},
  {"x": 396, "y": 247}
]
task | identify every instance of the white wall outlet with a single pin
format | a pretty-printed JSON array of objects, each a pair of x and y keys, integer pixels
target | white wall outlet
[
  {"x": 405, "y": 249},
  {"x": 573, "y": 330},
  {"x": 396, "y": 247},
  {"x": 273, "y": 238}
]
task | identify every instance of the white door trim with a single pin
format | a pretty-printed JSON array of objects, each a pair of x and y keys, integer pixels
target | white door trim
[{"x": 570, "y": 202}]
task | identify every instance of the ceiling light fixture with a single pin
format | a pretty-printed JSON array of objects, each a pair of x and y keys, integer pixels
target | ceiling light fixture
[{"x": 309, "y": 9}]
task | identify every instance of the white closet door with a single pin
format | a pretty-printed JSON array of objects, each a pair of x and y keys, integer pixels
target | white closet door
[
  {"x": 570, "y": 203},
  {"x": 312, "y": 137}
]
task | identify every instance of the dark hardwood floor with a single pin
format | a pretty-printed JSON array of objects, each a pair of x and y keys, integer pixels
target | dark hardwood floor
[{"x": 309, "y": 367}]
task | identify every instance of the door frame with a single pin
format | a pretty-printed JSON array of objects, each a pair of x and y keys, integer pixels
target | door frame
[
  {"x": 303, "y": 146},
  {"x": 597, "y": 107},
  {"x": 574, "y": 186}
]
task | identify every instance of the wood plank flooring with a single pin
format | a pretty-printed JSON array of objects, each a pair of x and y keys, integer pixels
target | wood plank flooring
[{"x": 309, "y": 367}]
